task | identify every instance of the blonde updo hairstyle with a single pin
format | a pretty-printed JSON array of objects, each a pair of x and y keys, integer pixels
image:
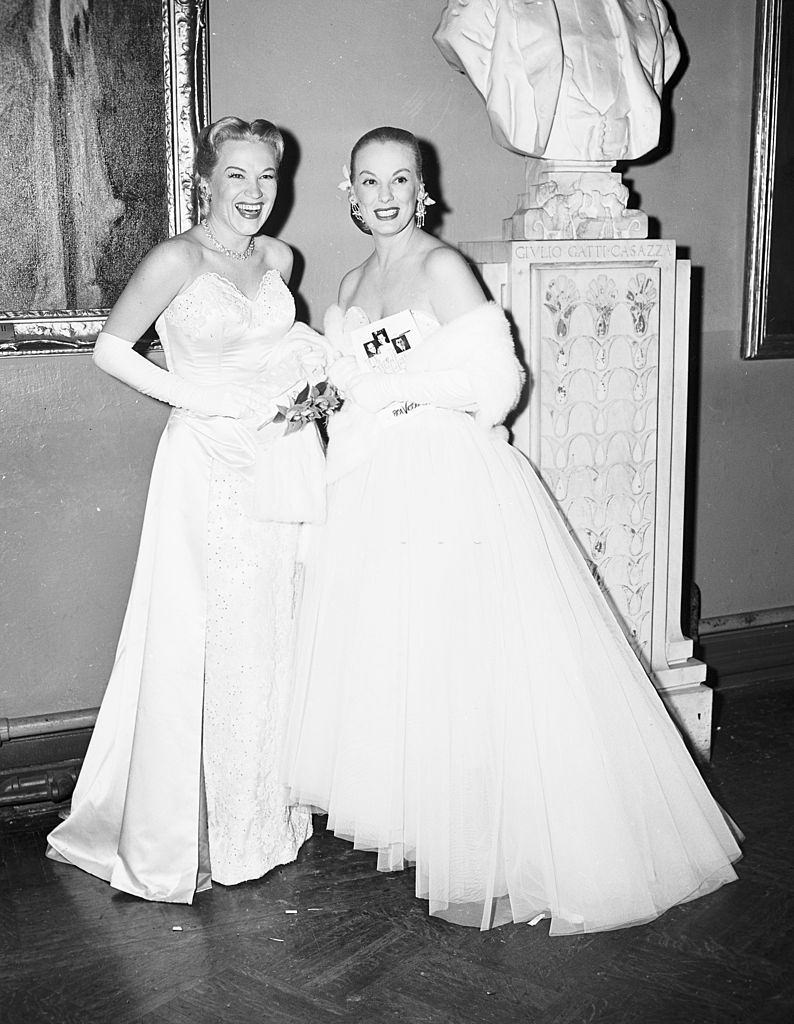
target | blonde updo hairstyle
[{"x": 229, "y": 129}]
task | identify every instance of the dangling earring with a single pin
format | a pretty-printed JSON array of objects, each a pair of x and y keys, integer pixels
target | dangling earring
[
  {"x": 346, "y": 185},
  {"x": 423, "y": 200},
  {"x": 355, "y": 209}
]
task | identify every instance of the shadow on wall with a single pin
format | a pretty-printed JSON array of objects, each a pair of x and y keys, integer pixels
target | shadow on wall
[
  {"x": 690, "y": 591},
  {"x": 431, "y": 173},
  {"x": 282, "y": 208},
  {"x": 666, "y": 131}
]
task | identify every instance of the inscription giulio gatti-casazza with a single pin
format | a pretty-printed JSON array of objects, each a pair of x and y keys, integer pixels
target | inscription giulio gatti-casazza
[{"x": 595, "y": 250}]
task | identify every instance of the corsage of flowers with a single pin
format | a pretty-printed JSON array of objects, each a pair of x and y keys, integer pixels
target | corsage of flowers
[
  {"x": 312, "y": 403},
  {"x": 295, "y": 378}
]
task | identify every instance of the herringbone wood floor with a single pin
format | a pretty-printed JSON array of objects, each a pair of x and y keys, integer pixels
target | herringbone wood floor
[{"x": 330, "y": 939}]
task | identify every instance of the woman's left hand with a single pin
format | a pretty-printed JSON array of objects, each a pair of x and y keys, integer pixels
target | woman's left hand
[
  {"x": 315, "y": 344},
  {"x": 313, "y": 352}
]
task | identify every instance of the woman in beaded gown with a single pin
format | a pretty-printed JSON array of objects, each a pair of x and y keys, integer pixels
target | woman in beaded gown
[
  {"x": 180, "y": 782},
  {"x": 465, "y": 699}
]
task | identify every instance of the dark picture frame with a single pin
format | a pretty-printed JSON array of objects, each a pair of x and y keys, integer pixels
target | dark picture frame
[
  {"x": 109, "y": 100},
  {"x": 768, "y": 322}
]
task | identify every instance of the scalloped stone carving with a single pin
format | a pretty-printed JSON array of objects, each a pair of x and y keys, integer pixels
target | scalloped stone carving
[{"x": 597, "y": 394}]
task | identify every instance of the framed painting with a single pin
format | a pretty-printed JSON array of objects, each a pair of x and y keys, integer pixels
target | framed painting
[
  {"x": 768, "y": 328},
  {"x": 103, "y": 103}
]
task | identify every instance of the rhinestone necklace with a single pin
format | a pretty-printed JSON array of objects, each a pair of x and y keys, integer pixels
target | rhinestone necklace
[{"x": 222, "y": 248}]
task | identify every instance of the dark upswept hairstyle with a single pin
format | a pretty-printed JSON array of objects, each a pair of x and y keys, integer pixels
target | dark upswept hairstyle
[
  {"x": 384, "y": 134},
  {"x": 387, "y": 134},
  {"x": 230, "y": 129}
]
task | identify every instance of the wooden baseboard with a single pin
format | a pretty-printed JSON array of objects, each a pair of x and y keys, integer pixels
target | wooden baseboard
[
  {"x": 37, "y": 774},
  {"x": 44, "y": 750},
  {"x": 754, "y": 656}
]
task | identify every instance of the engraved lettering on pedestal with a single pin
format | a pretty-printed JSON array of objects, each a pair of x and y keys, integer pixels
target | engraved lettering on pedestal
[{"x": 603, "y": 250}]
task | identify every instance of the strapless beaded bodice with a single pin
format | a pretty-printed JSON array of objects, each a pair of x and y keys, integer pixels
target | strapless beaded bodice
[{"x": 213, "y": 333}]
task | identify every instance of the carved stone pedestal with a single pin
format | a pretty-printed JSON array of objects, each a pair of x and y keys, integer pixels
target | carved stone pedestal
[
  {"x": 573, "y": 200},
  {"x": 604, "y": 330}
]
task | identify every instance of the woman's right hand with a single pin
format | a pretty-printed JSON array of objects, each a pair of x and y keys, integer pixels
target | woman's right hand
[{"x": 342, "y": 372}]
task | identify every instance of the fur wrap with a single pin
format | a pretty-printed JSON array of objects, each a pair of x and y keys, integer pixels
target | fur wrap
[{"x": 478, "y": 342}]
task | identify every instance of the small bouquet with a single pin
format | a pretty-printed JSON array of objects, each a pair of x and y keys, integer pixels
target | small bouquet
[
  {"x": 295, "y": 379},
  {"x": 312, "y": 403}
]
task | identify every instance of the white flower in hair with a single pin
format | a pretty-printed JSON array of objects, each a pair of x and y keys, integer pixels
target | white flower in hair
[{"x": 345, "y": 184}]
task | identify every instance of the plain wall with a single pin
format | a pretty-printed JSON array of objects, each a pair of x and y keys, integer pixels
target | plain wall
[
  {"x": 77, "y": 447},
  {"x": 743, "y": 481},
  {"x": 75, "y": 457}
]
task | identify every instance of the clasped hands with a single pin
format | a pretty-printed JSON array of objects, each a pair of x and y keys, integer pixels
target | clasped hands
[
  {"x": 370, "y": 389},
  {"x": 305, "y": 357}
]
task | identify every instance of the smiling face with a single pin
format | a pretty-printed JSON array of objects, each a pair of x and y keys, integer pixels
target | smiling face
[
  {"x": 242, "y": 187},
  {"x": 386, "y": 184}
]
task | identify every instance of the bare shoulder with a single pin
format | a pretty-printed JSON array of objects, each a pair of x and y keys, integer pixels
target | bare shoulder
[
  {"x": 177, "y": 257},
  {"x": 277, "y": 254},
  {"x": 442, "y": 262},
  {"x": 350, "y": 282},
  {"x": 168, "y": 267},
  {"x": 160, "y": 275},
  {"x": 454, "y": 289}
]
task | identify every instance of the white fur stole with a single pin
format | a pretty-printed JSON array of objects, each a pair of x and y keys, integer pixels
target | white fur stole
[{"x": 478, "y": 342}]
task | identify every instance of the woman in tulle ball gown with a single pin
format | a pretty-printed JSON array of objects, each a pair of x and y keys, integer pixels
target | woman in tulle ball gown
[
  {"x": 180, "y": 783},
  {"x": 465, "y": 700}
]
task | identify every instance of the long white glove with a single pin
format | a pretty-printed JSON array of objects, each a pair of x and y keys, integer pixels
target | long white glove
[
  {"x": 238, "y": 401},
  {"x": 446, "y": 389}
]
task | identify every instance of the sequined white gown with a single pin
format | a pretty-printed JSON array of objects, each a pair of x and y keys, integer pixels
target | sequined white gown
[{"x": 199, "y": 686}]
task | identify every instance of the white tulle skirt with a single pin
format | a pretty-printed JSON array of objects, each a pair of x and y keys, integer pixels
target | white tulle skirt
[{"x": 465, "y": 700}]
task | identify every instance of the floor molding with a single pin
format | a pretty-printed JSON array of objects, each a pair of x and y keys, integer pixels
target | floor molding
[
  {"x": 743, "y": 620},
  {"x": 43, "y": 750},
  {"x": 36, "y": 770},
  {"x": 752, "y": 656}
]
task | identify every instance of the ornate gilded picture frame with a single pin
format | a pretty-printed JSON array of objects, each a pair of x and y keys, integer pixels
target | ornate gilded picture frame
[
  {"x": 768, "y": 327},
  {"x": 107, "y": 102}
]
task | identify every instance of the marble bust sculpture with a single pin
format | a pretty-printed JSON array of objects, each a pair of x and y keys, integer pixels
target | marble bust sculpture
[{"x": 565, "y": 80}]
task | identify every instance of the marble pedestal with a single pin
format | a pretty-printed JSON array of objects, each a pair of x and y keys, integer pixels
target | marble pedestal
[{"x": 604, "y": 326}]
